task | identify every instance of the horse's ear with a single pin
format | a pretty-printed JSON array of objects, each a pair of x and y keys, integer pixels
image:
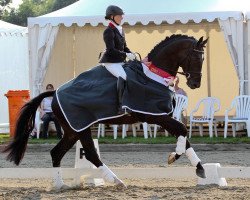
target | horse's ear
[
  {"x": 204, "y": 42},
  {"x": 199, "y": 42}
]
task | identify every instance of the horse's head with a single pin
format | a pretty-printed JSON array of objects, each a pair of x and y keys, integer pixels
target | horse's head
[
  {"x": 192, "y": 63},
  {"x": 180, "y": 50}
]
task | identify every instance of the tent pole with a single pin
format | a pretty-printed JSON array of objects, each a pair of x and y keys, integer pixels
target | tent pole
[
  {"x": 208, "y": 63},
  {"x": 74, "y": 50}
]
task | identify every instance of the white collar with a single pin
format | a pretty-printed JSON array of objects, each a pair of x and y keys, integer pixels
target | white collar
[{"x": 119, "y": 27}]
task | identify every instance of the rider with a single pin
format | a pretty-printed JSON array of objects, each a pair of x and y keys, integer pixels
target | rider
[{"x": 116, "y": 49}]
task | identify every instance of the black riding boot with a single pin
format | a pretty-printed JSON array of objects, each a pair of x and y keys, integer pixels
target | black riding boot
[{"x": 120, "y": 91}]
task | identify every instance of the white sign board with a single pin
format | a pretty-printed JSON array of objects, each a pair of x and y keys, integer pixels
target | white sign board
[{"x": 80, "y": 160}]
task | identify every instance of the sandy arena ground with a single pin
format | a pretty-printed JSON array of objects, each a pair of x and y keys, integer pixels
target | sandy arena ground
[{"x": 132, "y": 156}]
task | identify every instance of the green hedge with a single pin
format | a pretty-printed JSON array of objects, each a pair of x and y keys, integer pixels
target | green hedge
[{"x": 4, "y": 138}]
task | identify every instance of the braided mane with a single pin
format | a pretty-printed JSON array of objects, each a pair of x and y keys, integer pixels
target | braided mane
[{"x": 165, "y": 42}]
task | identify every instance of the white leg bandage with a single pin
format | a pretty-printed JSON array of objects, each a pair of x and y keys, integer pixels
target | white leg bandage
[
  {"x": 116, "y": 69},
  {"x": 107, "y": 174},
  {"x": 192, "y": 157},
  {"x": 181, "y": 145},
  {"x": 57, "y": 177}
]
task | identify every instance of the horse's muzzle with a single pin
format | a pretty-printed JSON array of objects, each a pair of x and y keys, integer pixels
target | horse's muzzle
[{"x": 193, "y": 84}]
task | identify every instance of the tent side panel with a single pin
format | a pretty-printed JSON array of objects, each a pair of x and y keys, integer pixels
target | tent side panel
[
  {"x": 224, "y": 80},
  {"x": 89, "y": 44},
  {"x": 14, "y": 69},
  {"x": 60, "y": 69}
]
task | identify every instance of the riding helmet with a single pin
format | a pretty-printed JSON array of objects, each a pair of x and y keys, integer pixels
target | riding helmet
[{"x": 113, "y": 10}]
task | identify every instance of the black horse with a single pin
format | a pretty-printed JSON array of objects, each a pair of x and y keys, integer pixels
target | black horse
[{"x": 170, "y": 54}]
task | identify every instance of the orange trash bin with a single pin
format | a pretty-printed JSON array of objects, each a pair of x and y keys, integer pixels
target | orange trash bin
[{"x": 16, "y": 99}]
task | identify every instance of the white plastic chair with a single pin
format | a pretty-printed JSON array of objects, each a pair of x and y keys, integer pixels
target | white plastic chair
[
  {"x": 241, "y": 105},
  {"x": 39, "y": 122},
  {"x": 145, "y": 130},
  {"x": 210, "y": 106},
  {"x": 101, "y": 130},
  {"x": 181, "y": 105}
]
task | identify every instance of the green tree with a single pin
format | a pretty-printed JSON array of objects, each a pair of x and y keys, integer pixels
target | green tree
[
  {"x": 62, "y": 3},
  {"x": 29, "y": 8},
  {"x": 3, "y": 5}
]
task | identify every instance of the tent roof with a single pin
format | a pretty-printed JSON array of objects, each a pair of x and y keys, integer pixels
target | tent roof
[
  {"x": 12, "y": 29},
  {"x": 145, "y": 11}
]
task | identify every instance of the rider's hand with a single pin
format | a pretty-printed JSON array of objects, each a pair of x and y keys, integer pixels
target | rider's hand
[
  {"x": 130, "y": 56},
  {"x": 146, "y": 62}
]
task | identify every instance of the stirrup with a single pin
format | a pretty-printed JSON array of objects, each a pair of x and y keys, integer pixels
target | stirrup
[
  {"x": 121, "y": 111},
  {"x": 124, "y": 111},
  {"x": 128, "y": 112}
]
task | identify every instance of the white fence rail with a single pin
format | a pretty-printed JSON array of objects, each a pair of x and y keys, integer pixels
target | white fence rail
[{"x": 147, "y": 173}]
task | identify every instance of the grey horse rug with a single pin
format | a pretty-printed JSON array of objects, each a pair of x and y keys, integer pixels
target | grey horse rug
[{"x": 92, "y": 96}]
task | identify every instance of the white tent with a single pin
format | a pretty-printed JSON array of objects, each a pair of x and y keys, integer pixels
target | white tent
[
  {"x": 43, "y": 30},
  {"x": 140, "y": 15},
  {"x": 14, "y": 68},
  {"x": 247, "y": 50}
]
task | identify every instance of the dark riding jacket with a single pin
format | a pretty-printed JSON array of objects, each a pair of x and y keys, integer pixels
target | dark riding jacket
[{"x": 116, "y": 47}]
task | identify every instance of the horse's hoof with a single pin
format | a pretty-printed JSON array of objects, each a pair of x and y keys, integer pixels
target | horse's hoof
[
  {"x": 201, "y": 173},
  {"x": 119, "y": 183},
  {"x": 171, "y": 158}
]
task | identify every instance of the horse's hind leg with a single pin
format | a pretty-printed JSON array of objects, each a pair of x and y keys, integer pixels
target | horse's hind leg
[
  {"x": 65, "y": 144},
  {"x": 57, "y": 153},
  {"x": 92, "y": 156}
]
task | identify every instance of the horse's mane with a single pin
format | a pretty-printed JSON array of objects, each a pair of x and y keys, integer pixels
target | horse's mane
[{"x": 165, "y": 42}]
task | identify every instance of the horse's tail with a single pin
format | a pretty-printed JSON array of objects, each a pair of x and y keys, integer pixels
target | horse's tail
[{"x": 24, "y": 125}]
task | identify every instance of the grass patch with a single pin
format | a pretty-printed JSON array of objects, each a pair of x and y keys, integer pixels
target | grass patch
[
  {"x": 4, "y": 138},
  {"x": 172, "y": 140}
]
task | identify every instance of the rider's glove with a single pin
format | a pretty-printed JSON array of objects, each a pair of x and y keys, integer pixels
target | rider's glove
[{"x": 130, "y": 56}]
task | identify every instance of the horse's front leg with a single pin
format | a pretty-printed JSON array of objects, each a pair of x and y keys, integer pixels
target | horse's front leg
[
  {"x": 179, "y": 130},
  {"x": 92, "y": 156}
]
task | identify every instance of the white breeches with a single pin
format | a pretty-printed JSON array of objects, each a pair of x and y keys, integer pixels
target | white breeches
[{"x": 116, "y": 69}]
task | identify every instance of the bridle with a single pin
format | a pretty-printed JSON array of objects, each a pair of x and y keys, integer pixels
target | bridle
[{"x": 187, "y": 72}]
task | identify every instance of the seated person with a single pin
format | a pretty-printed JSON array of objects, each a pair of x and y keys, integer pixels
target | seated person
[
  {"x": 177, "y": 89},
  {"x": 47, "y": 115}
]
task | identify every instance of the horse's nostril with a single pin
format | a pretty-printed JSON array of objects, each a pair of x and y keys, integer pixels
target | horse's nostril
[{"x": 197, "y": 85}]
